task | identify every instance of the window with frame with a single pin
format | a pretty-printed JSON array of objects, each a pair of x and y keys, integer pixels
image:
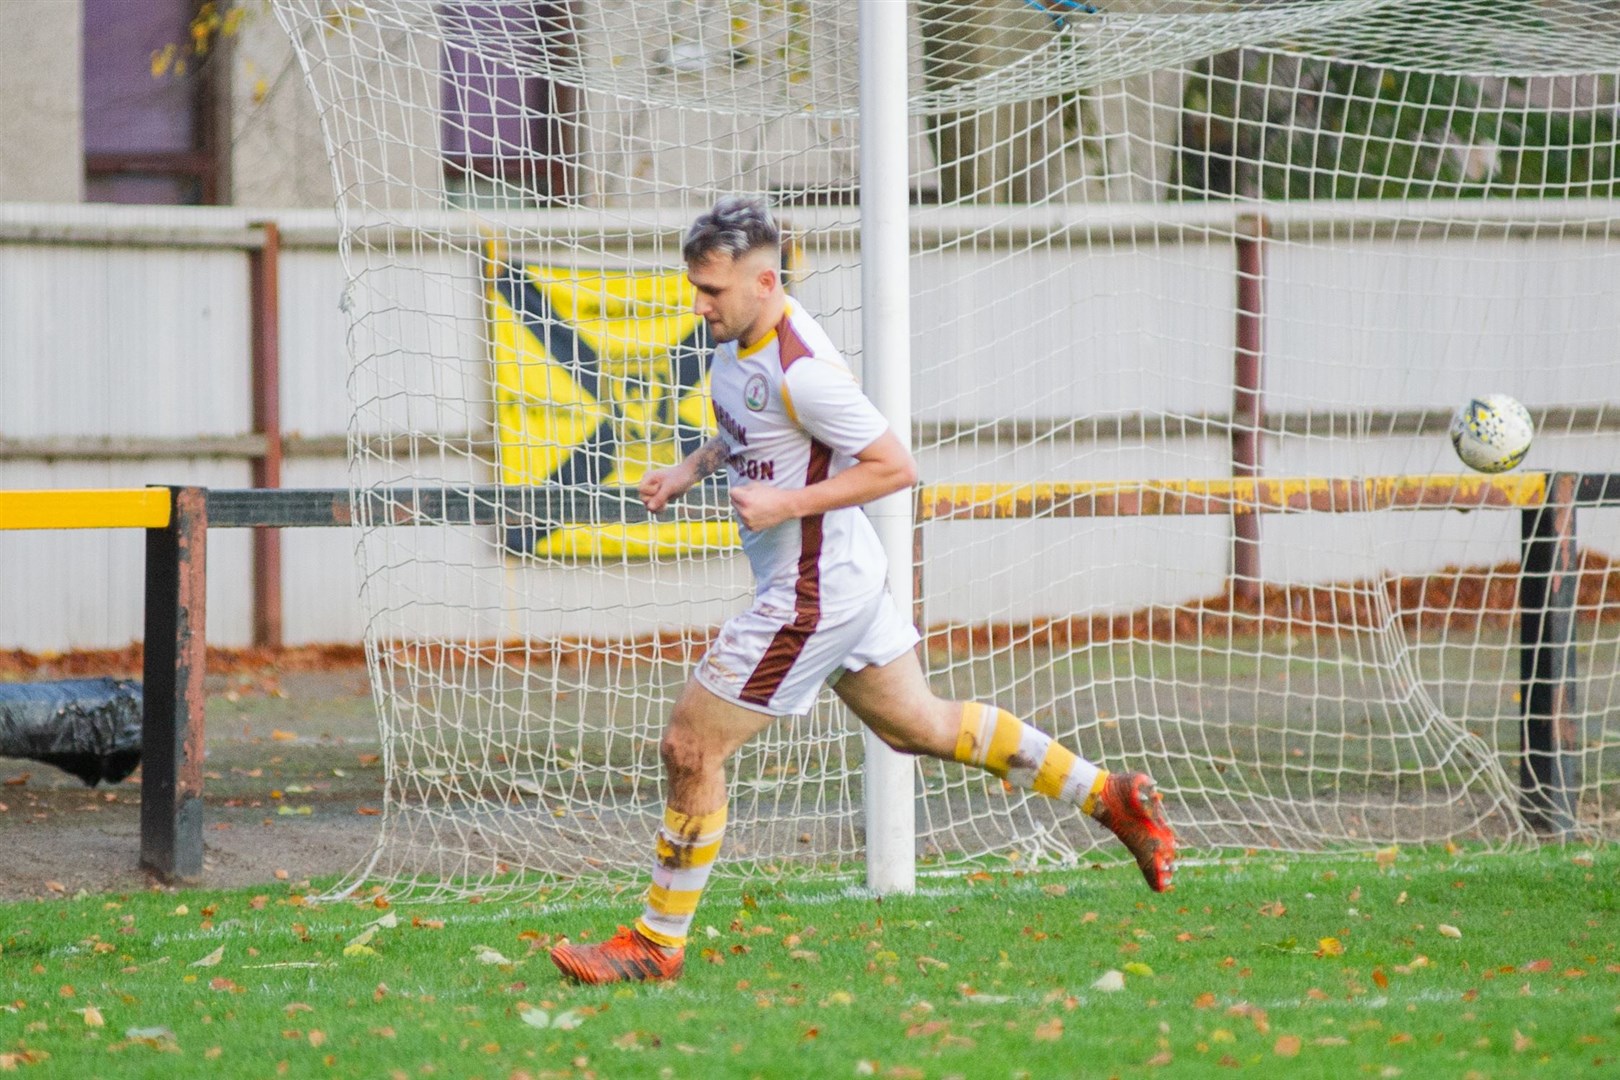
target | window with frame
[
  {"x": 150, "y": 104},
  {"x": 507, "y": 129}
]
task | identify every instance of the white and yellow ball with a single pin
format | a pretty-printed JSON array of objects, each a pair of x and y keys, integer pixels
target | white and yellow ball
[{"x": 1492, "y": 433}]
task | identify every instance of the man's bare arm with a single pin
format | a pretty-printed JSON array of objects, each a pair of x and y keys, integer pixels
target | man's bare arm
[
  {"x": 657, "y": 489},
  {"x": 708, "y": 459}
]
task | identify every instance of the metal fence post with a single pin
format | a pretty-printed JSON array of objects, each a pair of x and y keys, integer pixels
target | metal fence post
[
  {"x": 1549, "y": 739},
  {"x": 175, "y": 660}
]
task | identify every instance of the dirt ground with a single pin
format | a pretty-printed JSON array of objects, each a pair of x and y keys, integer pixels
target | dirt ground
[{"x": 292, "y": 784}]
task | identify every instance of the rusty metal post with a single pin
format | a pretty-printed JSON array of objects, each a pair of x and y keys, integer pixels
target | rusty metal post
[
  {"x": 1550, "y": 736},
  {"x": 172, "y": 719},
  {"x": 1247, "y": 403},
  {"x": 264, "y": 278}
]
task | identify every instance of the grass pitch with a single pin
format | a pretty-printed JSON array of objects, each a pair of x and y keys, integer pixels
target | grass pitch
[{"x": 1411, "y": 963}]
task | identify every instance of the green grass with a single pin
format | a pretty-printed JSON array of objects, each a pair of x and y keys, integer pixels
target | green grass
[{"x": 1266, "y": 965}]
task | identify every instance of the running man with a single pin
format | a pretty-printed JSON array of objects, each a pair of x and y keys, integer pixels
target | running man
[{"x": 804, "y": 450}]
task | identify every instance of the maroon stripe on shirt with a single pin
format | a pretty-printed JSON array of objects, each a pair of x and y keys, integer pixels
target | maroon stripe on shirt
[
  {"x": 789, "y": 344},
  {"x": 784, "y": 649}
]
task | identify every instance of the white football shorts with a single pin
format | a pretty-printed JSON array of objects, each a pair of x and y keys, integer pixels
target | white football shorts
[{"x": 767, "y": 660}]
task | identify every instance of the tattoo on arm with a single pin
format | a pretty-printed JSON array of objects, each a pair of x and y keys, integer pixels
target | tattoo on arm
[{"x": 709, "y": 458}]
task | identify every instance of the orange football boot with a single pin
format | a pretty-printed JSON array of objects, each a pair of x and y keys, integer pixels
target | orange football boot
[
  {"x": 1129, "y": 805},
  {"x": 624, "y": 957}
]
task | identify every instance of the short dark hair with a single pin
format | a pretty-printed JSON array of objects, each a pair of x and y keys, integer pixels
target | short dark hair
[{"x": 736, "y": 225}]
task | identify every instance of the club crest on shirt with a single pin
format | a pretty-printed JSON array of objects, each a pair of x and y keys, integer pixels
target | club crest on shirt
[{"x": 756, "y": 392}]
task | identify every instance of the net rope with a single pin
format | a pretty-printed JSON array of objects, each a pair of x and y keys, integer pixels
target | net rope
[{"x": 1412, "y": 202}]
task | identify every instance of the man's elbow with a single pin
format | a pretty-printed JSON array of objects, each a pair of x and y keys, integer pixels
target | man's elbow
[{"x": 905, "y": 473}]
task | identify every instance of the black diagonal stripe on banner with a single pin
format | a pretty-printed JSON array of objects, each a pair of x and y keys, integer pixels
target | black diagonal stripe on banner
[
  {"x": 534, "y": 310},
  {"x": 592, "y": 461},
  {"x": 688, "y": 362}
]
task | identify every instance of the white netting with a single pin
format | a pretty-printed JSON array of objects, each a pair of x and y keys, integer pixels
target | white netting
[{"x": 1145, "y": 242}]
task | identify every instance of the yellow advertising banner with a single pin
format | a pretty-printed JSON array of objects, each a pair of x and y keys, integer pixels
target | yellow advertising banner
[{"x": 600, "y": 376}]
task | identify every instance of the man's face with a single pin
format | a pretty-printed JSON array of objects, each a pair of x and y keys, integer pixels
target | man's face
[{"x": 730, "y": 294}]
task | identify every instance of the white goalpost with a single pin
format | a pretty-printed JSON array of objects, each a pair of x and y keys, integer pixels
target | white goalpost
[{"x": 1172, "y": 301}]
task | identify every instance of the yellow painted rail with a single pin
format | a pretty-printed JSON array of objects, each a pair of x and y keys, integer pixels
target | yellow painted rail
[
  {"x": 1268, "y": 495},
  {"x": 111, "y": 508},
  {"x": 149, "y": 508}
]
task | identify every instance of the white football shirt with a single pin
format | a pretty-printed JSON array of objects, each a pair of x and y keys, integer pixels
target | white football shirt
[{"x": 792, "y": 415}]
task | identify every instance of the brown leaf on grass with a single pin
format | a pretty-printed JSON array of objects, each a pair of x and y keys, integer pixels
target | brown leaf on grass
[
  {"x": 1257, "y": 1016},
  {"x": 1273, "y": 909},
  {"x": 1316, "y": 995},
  {"x": 224, "y": 985},
  {"x": 1163, "y": 1057},
  {"x": 1448, "y": 931},
  {"x": 1287, "y": 1046},
  {"x": 1088, "y": 917},
  {"x": 1380, "y": 978},
  {"x": 317, "y": 1039},
  {"x": 1049, "y": 1030},
  {"x": 1329, "y": 946},
  {"x": 92, "y": 1016},
  {"x": 1537, "y": 966},
  {"x": 1206, "y": 1000},
  {"x": 1521, "y": 1043},
  {"x": 367, "y": 811},
  {"x": 927, "y": 1028},
  {"x": 1385, "y": 857}
]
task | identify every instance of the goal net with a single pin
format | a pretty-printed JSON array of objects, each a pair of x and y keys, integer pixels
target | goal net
[{"x": 1176, "y": 268}]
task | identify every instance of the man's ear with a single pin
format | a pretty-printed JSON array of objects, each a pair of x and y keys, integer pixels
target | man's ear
[{"x": 767, "y": 278}]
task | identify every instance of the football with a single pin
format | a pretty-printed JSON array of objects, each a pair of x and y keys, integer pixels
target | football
[{"x": 1492, "y": 433}]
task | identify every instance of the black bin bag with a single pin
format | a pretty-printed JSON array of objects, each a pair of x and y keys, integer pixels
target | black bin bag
[{"x": 88, "y": 727}]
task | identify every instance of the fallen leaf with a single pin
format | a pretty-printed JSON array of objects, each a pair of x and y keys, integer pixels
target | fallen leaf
[
  {"x": 1537, "y": 966},
  {"x": 1205, "y": 1000},
  {"x": 1135, "y": 968},
  {"x": 1521, "y": 1043},
  {"x": 1329, "y": 946},
  {"x": 362, "y": 938},
  {"x": 1163, "y": 1057},
  {"x": 211, "y": 959},
  {"x": 1380, "y": 978},
  {"x": 1274, "y": 909},
  {"x": 1049, "y": 1030},
  {"x": 1447, "y": 930},
  {"x": 487, "y": 955},
  {"x": 92, "y": 1016},
  {"x": 1287, "y": 1046},
  {"x": 1386, "y": 857},
  {"x": 278, "y": 735},
  {"x": 1110, "y": 982}
]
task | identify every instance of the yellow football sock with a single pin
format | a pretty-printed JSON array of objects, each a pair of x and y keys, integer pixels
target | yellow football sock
[
  {"x": 687, "y": 847},
  {"x": 999, "y": 742}
]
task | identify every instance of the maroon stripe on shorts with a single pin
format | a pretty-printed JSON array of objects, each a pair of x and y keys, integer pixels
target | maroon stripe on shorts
[{"x": 784, "y": 649}]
